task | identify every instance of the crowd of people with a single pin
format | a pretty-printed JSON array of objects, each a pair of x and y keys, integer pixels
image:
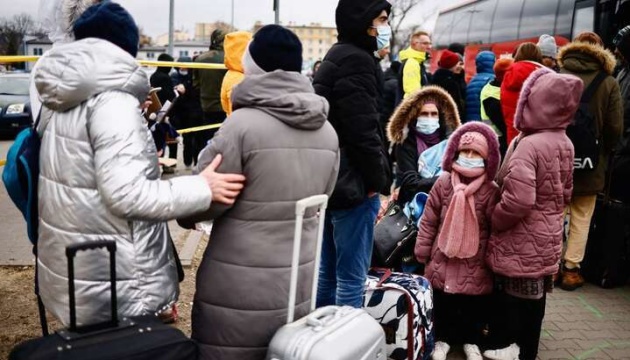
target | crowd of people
[{"x": 492, "y": 154}]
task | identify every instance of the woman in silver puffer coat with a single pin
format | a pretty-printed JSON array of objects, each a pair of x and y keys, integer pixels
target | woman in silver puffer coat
[{"x": 99, "y": 175}]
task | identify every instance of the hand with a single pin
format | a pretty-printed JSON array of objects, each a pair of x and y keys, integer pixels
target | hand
[
  {"x": 180, "y": 89},
  {"x": 225, "y": 187},
  {"x": 395, "y": 193},
  {"x": 146, "y": 105}
]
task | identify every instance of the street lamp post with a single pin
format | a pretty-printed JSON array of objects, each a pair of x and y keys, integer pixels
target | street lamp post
[
  {"x": 171, "y": 27},
  {"x": 232, "y": 14},
  {"x": 276, "y": 7}
]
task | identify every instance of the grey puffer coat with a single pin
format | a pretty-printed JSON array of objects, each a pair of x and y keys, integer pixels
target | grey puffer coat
[
  {"x": 278, "y": 137},
  {"x": 100, "y": 180}
]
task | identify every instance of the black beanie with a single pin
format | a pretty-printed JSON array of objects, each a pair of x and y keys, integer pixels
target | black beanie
[
  {"x": 622, "y": 42},
  {"x": 109, "y": 21},
  {"x": 274, "y": 47}
]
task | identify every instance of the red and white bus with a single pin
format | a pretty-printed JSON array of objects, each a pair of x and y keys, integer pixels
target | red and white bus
[{"x": 501, "y": 25}]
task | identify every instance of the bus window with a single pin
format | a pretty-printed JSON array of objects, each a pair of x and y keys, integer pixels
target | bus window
[
  {"x": 442, "y": 31},
  {"x": 461, "y": 23},
  {"x": 481, "y": 22},
  {"x": 505, "y": 24},
  {"x": 584, "y": 18},
  {"x": 538, "y": 18},
  {"x": 565, "y": 18}
]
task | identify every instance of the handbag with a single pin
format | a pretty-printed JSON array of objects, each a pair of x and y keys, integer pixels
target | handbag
[{"x": 394, "y": 236}]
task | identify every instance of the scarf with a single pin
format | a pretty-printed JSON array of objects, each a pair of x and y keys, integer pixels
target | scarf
[
  {"x": 459, "y": 236},
  {"x": 424, "y": 141}
]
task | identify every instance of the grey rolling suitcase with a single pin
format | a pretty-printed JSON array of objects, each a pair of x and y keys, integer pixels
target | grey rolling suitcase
[{"x": 331, "y": 332}]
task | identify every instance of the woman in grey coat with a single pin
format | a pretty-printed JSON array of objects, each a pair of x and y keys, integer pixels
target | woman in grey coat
[
  {"x": 278, "y": 137},
  {"x": 99, "y": 175}
]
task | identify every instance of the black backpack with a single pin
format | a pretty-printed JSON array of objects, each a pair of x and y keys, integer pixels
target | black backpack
[{"x": 583, "y": 130}]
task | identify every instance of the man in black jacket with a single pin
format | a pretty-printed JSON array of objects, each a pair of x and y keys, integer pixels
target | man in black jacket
[
  {"x": 619, "y": 188},
  {"x": 347, "y": 78},
  {"x": 161, "y": 79}
]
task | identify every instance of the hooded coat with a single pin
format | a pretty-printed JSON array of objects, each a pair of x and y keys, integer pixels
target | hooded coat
[
  {"x": 586, "y": 61},
  {"x": 536, "y": 180},
  {"x": 511, "y": 87},
  {"x": 400, "y": 131},
  {"x": 208, "y": 82},
  {"x": 485, "y": 73},
  {"x": 100, "y": 180},
  {"x": 58, "y": 17},
  {"x": 452, "y": 275},
  {"x": 278, "y": 137},
  {"x": 619, "y": 188},
  {"x": 348, "y": 79},
  {"x": 235, "y": 45}
]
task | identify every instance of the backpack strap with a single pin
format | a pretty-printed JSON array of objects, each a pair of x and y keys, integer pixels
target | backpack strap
[{"x": 587, "y": 95}]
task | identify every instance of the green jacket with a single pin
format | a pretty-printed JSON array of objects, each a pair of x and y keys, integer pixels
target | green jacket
[
  {"x": 209, "y": 81},
  {"x": 585, "y": 61}
]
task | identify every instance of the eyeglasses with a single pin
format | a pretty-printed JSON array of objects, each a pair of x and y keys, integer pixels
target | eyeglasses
[{"x": 426, "y": 43}]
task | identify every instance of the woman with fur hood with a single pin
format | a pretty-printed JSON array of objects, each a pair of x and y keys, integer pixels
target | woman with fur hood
[
  {"x": 585, "y": 58},
  {"x": 420, "y": 125},
  {"x": 536, "y": 180},
  {"x": 454, "y": 230}
]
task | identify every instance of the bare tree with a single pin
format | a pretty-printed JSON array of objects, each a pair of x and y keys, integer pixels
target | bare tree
[
  {"x": 13, "y": 31},
  {"x": 401, "y": 11}
]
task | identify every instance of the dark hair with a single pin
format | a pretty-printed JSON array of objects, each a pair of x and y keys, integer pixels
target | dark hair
[
  {"x": 318, "y": 62},
  {"x": 528, "y": 51}
]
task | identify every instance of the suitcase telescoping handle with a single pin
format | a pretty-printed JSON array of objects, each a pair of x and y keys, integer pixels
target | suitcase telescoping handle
[
  {"x": 71, "y": 252},
  {"x": 321, "y": 202}
]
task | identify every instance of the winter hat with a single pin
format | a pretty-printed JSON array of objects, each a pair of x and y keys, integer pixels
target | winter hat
[
  {"x": 274, "y": 47},
  {"x": 501, "y": 66},
  {"x": 448, "y": 60},
  {"x": 457, "y": 48},
  {"x": 459, "y": 235},
  {"x": 109, "y": 21},
  {"x": 165, "y": 57},
  {"x": 474, "y": 141},
  {"x": 622, "y": 42},
  {"x": 547, "y": 45}
]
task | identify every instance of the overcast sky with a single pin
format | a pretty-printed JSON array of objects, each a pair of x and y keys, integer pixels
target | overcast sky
[{"x": 152, "y": 15}]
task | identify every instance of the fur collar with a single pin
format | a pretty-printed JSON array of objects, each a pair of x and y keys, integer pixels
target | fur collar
[
  {"x": 603, "y": 56},
  {"x": 72, "y": 10},
  {"x": 409, "y": 110}
]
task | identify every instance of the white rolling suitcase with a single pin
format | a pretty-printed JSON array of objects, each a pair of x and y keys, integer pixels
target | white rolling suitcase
[{"x": 331, "y": 332}]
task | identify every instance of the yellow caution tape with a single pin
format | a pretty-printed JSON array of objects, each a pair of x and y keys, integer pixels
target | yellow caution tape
[
  {"x": 189, "y": 65},
  {"x": 2, "y": 162},
  {"x": 199, "y": 128}
]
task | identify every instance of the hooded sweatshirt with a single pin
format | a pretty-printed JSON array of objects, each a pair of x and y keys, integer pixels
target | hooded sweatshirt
[
  {"x": 235, "y": 45},
  {"x": 243, "y": 280},
  {"x": 99, "y": 179},
  {"x": 511, "y": 86},
  {"x": 347, "y": 78}
]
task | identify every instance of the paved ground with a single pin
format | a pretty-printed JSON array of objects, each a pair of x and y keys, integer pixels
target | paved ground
[{"x": 589, "y": 323}]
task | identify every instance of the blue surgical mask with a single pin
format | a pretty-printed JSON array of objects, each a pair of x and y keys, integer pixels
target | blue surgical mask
[
  {"x": 427, "y": 125},
  {"x": 470, "y": 163},
  {"x": 383, "y": 37},
  {"x": 183, "y": 72}
]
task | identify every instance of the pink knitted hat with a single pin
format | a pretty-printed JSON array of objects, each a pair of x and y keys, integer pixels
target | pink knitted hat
[{"x": 474, "y": 141}]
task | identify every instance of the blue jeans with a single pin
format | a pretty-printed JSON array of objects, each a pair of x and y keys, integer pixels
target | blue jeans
[{"x": 346, "y": 254}]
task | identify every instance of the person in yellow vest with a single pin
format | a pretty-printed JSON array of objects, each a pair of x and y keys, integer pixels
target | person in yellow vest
[
  {"x": 235, "y": 45},
  {"x": 490, "y": 99},
  {"x": 413, "y": 75}
]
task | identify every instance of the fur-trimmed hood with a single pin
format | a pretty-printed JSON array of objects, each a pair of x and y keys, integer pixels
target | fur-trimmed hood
[
  {"x": 579, "y": 57},
  {"x": 409, "y": 110},
  {"x": 494, "y": 154},
  {"x": 548, "y": 101},
  {"x": 58, "y": 16}
]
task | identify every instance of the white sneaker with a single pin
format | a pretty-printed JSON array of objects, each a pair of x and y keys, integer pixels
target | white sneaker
[
  {"x": 509, "y": 353},
  {"x": 472, "y": 352},
  {"x": 440, "y": 351}
]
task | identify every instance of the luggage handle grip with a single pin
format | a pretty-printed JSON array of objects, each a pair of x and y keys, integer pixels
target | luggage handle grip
[
  {"x": 71, "y": 251},
  {"x": 317, "y": 319},
  {"x": 320, "y": 201}
]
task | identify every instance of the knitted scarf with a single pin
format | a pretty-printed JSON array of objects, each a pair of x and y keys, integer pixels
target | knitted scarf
[
  {"x": 459, "y": 236},
  {"x": 424, "y": 141}
]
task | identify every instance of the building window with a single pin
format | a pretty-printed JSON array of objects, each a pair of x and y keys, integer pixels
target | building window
[
  {"x": 183, "y": 53},
  {"x": 321, "y": 41},
  {"x": 150, "y": 55},
  {"x": 38, "y": 51}
]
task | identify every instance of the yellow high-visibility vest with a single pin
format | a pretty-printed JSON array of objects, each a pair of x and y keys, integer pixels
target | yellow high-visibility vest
[{"x": 494, "y": 92}]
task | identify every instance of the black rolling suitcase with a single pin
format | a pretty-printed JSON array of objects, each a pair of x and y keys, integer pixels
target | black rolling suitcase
[
  {"x": 137, "y": 338},
  {"x": 607, "y": 259}
]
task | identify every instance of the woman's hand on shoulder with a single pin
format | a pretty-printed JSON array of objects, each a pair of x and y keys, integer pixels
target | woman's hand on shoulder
[{"x": 225, "y": 187}]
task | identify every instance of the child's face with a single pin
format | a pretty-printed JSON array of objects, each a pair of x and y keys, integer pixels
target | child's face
[{"x": 470, "y": 154}]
